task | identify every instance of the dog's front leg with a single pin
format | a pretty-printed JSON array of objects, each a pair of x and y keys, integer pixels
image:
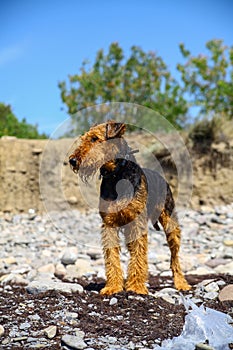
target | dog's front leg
[
  {"x": 137, "y": 243},
  {"x": 111, "y": 249}
]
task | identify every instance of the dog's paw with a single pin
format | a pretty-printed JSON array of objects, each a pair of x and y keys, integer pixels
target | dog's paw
[
  {"x": 139, "y": 289},
  {"x": 181, "y": 284},
  {"x": 111, "y": 290}
]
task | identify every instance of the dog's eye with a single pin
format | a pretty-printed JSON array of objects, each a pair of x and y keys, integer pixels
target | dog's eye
[{"x": 94, "y": 139}]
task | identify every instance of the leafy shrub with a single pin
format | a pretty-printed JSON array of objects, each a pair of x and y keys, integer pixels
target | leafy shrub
[{"x": 10, "y": 126}]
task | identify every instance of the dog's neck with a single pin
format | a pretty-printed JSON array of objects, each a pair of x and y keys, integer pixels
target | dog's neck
[
  {"x": 112, "y": 167},
  {"x": 121, "y": 178}
]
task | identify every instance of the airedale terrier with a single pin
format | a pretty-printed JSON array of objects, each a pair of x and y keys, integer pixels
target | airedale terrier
[{"x": 129, "y": 197}]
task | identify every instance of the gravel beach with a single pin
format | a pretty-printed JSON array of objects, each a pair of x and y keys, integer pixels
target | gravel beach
[{"x": 51, "y": 271}]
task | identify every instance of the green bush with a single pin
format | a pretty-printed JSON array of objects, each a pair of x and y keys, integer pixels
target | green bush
[{"x": 11, "y": 126}]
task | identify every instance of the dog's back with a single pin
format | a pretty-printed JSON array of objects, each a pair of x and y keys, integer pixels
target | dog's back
[{"x": 159, "y": 196}]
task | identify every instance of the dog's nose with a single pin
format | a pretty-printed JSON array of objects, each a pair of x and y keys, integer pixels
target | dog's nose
[{"x": 72, "y": 161}]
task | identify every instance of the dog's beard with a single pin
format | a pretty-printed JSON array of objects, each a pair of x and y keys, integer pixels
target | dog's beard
[
  {"x": 87, "y": 173},
  {"x": 88, "y": 168}
]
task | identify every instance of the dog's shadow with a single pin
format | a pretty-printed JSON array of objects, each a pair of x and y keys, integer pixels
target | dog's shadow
[{"x": 94, "y": 286}]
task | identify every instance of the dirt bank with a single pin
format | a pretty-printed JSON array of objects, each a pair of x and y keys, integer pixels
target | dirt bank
[{"x": 35, "y": 174}]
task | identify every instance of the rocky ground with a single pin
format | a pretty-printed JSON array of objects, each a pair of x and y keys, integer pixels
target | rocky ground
[{"x": 51, "y": 270}]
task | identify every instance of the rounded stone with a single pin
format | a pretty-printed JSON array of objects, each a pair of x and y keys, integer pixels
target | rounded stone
[
  {"x": 2, "y": 330},
  {"x": 73, "y": 200},
  {"x": 69, "y": 256},
  {"x": 113, "y": 301},
  {"x": 73, "y": 341},
  {"x": 226, "y": 293},
  {"x": 228, "y": 242},
  {"x": 60, "y": 271},
  {"x": 227, "y": 268}
]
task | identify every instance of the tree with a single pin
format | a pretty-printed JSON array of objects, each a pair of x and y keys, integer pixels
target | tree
[
  {"x": 208, "y": 80},
  {"x": 142, "y": 78},
  {"x": 9, "y": 125}
]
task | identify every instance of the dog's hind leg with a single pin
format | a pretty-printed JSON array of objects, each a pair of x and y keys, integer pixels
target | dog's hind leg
[
  {"x": 173, "y": 233},
  {"x": 111, "y": 249}
]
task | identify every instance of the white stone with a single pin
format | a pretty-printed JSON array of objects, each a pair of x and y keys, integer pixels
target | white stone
[
  {"x": 101, "y": 273},
  {"x": 50, "y": 331},
  {"x": 166, "y": 273},
  {"x": 113, "y": 301},
  {"x": 49, "y": 268},
  {"x": 73, "y": 200},
  {"x": 212, "y": 287},
  {"x": 79, "y": 333},
  {"x": 201, "y": 271},
  {"x": 69, "y": 256},
  {"x": 71, "y": 315},
  {"x": 41, "y": 286},
  {"x": 205, "y": 282},
  {"x": 168, "y": 294},
  {"x": 60, "y": 271},
  {"x": 163, "y": 266},
  {"x": 82, "y": 267},
  {"x": 73, "y": 341},
  {"x": 211, "y": 295},
  {"x": 228, "y": 268},
  {"x": 13, "y": 278},
  {"x": 2, "y": 330},
  {"x": 169, "y": 291}
]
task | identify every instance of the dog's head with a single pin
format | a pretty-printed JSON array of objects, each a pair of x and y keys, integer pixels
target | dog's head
[{"x": 98, "y": 146}]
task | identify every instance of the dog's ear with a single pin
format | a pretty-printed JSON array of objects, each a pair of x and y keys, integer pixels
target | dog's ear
[{"x": 114, "y": 129}]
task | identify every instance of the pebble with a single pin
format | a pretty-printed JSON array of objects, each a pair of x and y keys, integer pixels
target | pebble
[
  {"x": 74, "y": 341},
  {"x": 228, "y": 242},
  {"x": 226, "y": 293},
  {"x": 113, "y": 301},
  {"x": 79, "y": 333},
  {"x": 24, "y": 325},
  {"x": 50, "y": 331},
  {"x": 49, "y": 268},
  {"x": 211, "y": 295},
  {"x": 168, "y": 294},
  {"x": 69, "y": 256},
  {"x": 2, "y": 330},
  {"x": 227, "y": 268},
  {"x": 41, "y": 286},
  {"x": 212, "y": 287},
  {"x": 212, "y": 263},
  {"x": 60, "y": 270},
  {"x": 82, "y": 267},
  {"x": 40, "y": 254}
]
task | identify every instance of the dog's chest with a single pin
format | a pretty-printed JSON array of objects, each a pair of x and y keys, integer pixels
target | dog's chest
[
  {"x": 122, "y": 196},
  {"x": 121, "y": 183}
]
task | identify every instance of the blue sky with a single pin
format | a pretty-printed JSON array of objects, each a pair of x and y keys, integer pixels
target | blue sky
[{"x": 42, "y": 42}]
